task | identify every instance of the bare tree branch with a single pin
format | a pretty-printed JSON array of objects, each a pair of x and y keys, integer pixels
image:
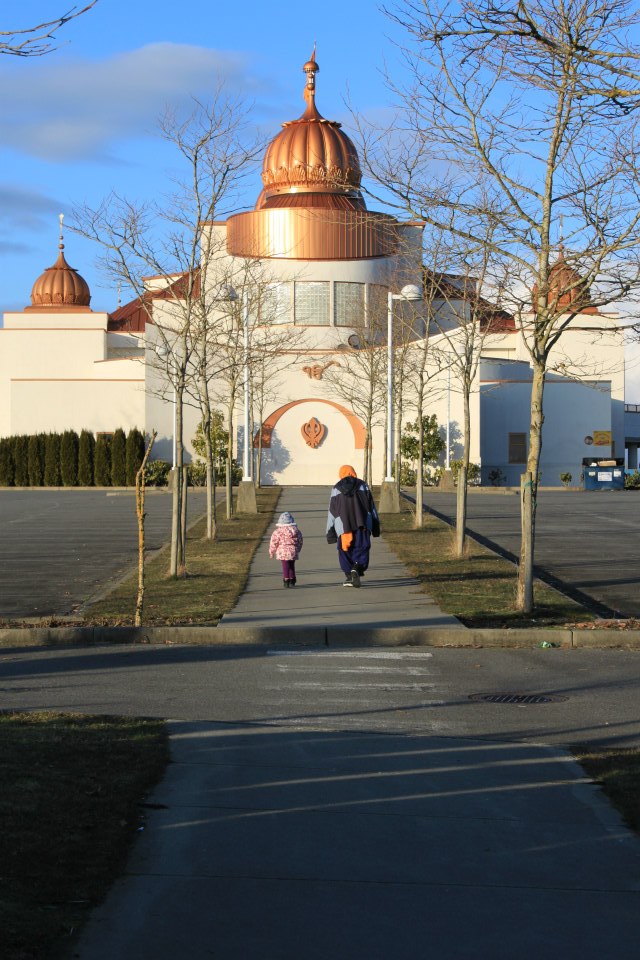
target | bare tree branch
[{"x": 38, "y": 40}]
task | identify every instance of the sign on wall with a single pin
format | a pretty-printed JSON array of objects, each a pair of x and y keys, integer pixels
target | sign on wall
[{"x": 602, "y": 438}]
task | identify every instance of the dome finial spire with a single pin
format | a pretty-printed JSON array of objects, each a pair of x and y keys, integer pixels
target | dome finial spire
[
  {"x": 61, "y": 244},
  {"x": 311, "y": 68}
]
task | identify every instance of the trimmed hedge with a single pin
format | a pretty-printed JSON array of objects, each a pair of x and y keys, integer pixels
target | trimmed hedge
[
  {"x": 118, "y": 459},
  {"x": 66, "y": 459},
  {"x": 134, "y": 455},
  {"x": 69, "y": 458},
  {"x": 86, "y": 449}
]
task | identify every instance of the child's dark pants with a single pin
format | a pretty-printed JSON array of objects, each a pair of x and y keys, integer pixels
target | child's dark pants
[{"x": 288, "y": 569}]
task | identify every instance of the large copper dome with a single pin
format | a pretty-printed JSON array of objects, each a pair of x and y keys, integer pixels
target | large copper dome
[
  {"x": 60, "y": 286},
  {"x": 311, "y": 156},
  {"x": 310, "y": 207}
]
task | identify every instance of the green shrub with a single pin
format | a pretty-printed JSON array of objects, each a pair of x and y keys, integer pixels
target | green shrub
[
  {"x": 473, "y": 472},
  {"x": 134, "y": 455},
  {"x": 21, "y": 461},
  {"x": 197, "y": 473},
  {"x": 632, "y": 480},
  {"x": 69, "y": 458},
  {"x": 496, "y": 477},
  {"x": 6, "y": 462},
  {"x": 565, "y": 479},
  {"x": 102, "y": 460},
  {"x": 52, "y": 476},
  {"x": 219, "y": 443},
  {"x": 156, "y": 473},
  {"x": 118, "y": 459},
  {"x": 433, "y": 443},
  {"x": 86, "y": 450},
  {"x": 35, "y": 462}
]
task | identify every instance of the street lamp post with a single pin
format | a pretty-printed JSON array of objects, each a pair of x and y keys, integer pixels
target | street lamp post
[
  {"x": 246, "y": 491},
  {"x": 164, "y": 353},
  {"x": 389, "y": 499},
  {"x": 247, "y": 472}
]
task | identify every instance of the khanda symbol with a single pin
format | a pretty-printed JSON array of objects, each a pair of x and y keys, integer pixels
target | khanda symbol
[{"x": 313, "y": 432}]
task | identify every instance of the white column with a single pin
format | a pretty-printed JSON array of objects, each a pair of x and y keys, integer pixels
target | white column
[
  {"x": 247, "y": 458},
  {"x": 390, "y": 437},
  {"x": 448, "y": 460}
]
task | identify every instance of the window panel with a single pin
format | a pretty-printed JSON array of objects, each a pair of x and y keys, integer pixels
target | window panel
[
  {"x": 275, "y": 303},
  {"x": 312, "y": 303},
  {"x": 348, "y": 304},
  {"x": 517, "y": 448}
]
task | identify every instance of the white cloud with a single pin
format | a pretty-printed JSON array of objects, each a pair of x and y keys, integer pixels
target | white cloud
[
  {"x": 78, "y": 110},
  {"x": 24, "y": 208}
]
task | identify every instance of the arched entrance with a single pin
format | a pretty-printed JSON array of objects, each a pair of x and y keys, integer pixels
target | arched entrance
[{"x": 305, "y": 441}]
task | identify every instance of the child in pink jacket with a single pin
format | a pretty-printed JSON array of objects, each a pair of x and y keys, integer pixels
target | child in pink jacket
[{"x": 286, "y": 544}]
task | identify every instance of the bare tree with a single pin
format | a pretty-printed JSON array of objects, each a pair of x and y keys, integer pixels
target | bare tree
[
  {"x": 419, "y": 371},
  {"x": 38, "y": 40},
  {"x": 276, "y": 347},
  {"x": 164, "y": 239},
  {"x": 464, "y": 320},
  {"x": 359, "y": 377},
  {"x": 516, "y": 115},
  {"x": 141, "y": 516}
]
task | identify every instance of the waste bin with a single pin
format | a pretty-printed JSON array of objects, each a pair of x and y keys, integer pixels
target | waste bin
[{"x": 603, "y": 474}]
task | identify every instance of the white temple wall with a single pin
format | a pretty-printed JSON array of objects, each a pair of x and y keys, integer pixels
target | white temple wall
[
  {"x": 54, "y": 376},
  {"x": 97, "y": 405}
]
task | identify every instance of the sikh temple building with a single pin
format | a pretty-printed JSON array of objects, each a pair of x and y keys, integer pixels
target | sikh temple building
[{"x": 327, "y": 264}]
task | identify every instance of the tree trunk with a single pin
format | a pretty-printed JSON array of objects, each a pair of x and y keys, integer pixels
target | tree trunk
[
  {"x": 182, "y": 567},
  {"x": 259, "y": 458},
  {"x": 365, "y": 469},
  {"x": 211, "y": 484},
  {"x": 228, "y": 477},
  {"x": 419, "y": 522},
  {"x": 397, "y": 438},
  {"x": 181, "y": 557},
  {"x": 141, "y": 517},
  {"x": 177, "y": 557},
  {"x": 463, "y": 474},
  {"x": 461, "y": 511},
  {"x": 386, "y": 472},
  {"x": 524, "y": 595}
]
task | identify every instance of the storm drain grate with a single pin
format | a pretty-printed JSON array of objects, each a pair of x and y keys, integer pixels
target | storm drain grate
[{"x": 521, "y": 698}]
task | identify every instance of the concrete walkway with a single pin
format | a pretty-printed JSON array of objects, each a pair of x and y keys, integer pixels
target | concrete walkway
[
  {"x": 298, "y": 838},
  {"x": 389, "y": 596}
]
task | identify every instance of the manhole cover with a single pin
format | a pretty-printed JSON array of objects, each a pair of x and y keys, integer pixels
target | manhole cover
[{"x": 519, "y": 698}]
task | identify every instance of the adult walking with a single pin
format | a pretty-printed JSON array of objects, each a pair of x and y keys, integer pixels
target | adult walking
[{"x": 351, "y": 522}]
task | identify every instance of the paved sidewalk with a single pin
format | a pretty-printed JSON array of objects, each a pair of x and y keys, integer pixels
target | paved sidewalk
[
  {"x": 280, "y": 844},
  {"x": 389, "y": 596}
]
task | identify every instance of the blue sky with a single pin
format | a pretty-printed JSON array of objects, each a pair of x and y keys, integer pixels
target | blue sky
[{"x": 81, "y": 121}]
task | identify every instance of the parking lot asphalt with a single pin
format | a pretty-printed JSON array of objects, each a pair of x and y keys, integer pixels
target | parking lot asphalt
[
  {"x": 60, "y": 547},
  {"x": 587, "y": 541}
]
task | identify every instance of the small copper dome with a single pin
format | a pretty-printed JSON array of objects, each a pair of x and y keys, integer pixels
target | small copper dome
[
  {"x": 311, "y": 155},
  {"x": 568, "y": 291},
  {"x": 60, "y": 286}
]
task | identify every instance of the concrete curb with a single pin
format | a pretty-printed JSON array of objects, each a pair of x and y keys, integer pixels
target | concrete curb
[{"x": 319, "y": 636}]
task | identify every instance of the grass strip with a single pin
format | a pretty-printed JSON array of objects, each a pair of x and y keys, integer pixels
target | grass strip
[
  {"x": 217, "y": 574},
  {"x": 479, "y": 588},
  {"x": 617, "y": 771},
  {"x": 70, "y": 793}
]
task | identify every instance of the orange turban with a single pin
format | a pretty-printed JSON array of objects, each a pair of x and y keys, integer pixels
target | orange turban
[{"x": 347, "y": 471}]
